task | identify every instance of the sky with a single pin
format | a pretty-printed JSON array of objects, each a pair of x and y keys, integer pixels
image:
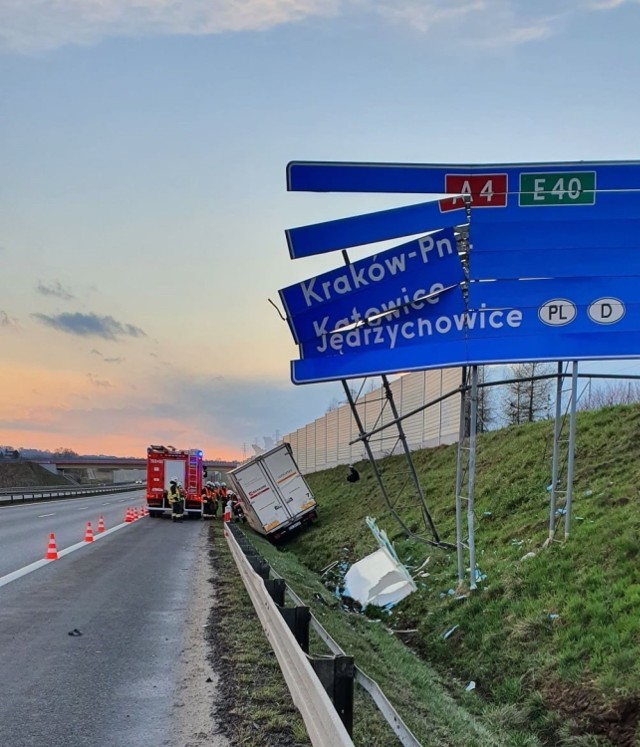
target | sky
[{"x": 143, "y": 198}]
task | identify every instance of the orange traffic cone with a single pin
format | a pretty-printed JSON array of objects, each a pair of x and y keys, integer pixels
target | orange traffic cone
[
  {"x": 136, "y": 514},
  {"x": 88, "y": 535},
  {"x": 52, "y": 550},
  {"x": 227, "y": 513},
  {"x": 100, "y": 524},
  {"x": 128, "y": 517}
]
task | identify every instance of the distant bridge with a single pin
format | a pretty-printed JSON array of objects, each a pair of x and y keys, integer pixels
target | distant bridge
[{"x": 112, "y": 463}]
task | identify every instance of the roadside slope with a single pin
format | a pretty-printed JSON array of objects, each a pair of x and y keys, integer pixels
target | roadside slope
[{"x": 551, "y": 641}]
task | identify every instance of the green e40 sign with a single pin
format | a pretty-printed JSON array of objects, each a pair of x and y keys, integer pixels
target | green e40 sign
[{"x": 558, "y": 188}]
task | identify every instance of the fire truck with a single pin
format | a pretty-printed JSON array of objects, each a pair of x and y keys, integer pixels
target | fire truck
[{"x": 166, "y": 463}]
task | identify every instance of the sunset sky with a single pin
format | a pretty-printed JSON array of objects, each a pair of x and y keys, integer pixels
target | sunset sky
[{"x": 143, "y": 203}]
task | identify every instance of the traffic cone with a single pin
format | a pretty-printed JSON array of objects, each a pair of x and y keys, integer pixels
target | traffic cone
[
  {"x": 128, "y": 517},
  {"x": 52, "y": 550},
  {"x": 88, "y": 535},
  {"x": 100, "y": 524},
  {"x": 227, "y": 513},
  {"x": 136, "y": 515}
]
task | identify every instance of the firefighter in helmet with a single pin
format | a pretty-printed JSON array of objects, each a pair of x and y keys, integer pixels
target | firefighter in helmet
[
  {"x": 209, "y": 500},
  {"x": 176, "y": 500}
]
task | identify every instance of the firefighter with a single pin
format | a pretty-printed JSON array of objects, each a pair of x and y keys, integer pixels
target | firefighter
[
  {"x": 222, "y": 492},
  {"x": 237, "y": 509},
  {"x": 209, "y": 500},
  {"x": 175, "y": 496}
]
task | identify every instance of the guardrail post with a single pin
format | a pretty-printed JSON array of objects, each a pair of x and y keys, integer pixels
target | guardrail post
[
  {"x": 298, "y": 619},
  {"x": 336, "y": 674},
  {"x": 276, "y": 588}
]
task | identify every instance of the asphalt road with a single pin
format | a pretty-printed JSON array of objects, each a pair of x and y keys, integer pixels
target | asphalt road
[
  {"x": 25, "y": 528},
  {"x": 121, "y": 682}
]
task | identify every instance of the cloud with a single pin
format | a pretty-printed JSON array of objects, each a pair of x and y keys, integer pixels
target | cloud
[
  {"x": 90, "y": 325},
  {"x": 102, "y": 383},
  {"x": 240, "y": 409},
  {"x": 54, "y": 289},
  {"x": 106, "y": 360},
  {"x": 6, "y": 320},
  {"x": 31, "y": 25},
  {"x": 38, "y": 25}
]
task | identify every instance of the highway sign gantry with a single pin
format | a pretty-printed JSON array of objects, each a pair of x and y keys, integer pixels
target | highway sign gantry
[{"x": 571, "y": 228}]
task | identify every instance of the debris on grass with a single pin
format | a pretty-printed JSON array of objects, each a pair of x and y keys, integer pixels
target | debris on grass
[
  {"x": 471, "y": 686},
  {"x": 450, "y": 632}
]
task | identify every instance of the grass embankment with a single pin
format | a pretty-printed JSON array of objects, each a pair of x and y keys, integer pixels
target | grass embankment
[
  {"x": 25, "y": 474},
  {"x": 552, "y": 641}
]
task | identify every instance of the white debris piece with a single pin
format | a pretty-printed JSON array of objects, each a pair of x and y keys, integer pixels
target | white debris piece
[{"x": 378, "y": 579}]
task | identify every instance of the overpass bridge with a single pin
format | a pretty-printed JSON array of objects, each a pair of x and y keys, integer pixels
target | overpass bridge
[{"x": 84, "y": 468}]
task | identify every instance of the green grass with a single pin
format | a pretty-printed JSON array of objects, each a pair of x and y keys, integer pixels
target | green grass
[{"x": 572, "y": 669}]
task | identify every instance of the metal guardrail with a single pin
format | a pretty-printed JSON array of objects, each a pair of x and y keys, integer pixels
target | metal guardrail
[
  {"x": 33, "y": 494},
  {"x": 389, "y": 713},
  {"x": 323, "y": 723}
]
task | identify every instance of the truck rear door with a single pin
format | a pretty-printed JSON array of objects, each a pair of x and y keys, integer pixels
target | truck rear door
[
  {"x": 285, "y": 473},
  {"x": 264, "y": 500}
]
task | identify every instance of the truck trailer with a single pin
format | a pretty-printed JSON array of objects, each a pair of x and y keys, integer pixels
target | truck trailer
[
  {"x": 273, "y": 492},
  {"x": 166, "y": 463}
]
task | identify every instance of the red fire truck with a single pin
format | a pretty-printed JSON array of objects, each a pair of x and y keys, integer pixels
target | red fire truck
[{"x": 166, "y": 463}]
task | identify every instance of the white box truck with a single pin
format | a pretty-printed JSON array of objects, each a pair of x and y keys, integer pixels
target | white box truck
[{"x": 273, "y": 492}]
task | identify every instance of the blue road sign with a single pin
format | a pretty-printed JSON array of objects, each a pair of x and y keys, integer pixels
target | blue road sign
[
  {"x": 554, "y": 263},
  {"x": 506, "y": 321},
  {"x": 429, "y": 178},
  {"x": 567, "y": 234},
  {"x": 572, "y": 226},
  {"x": 532, "y": 294},
  {"x": 319, "y": 238},
  {"x": 441, "y": 354},
  {"x": 418, "y": 323},
  {"x": 395, "y": 278}
]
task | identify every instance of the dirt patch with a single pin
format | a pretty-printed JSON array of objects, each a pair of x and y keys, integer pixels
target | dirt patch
[{"x": 617, "y": 721}]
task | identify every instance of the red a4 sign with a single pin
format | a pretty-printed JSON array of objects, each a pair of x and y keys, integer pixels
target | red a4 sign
[{"x": 486, "y": 190}]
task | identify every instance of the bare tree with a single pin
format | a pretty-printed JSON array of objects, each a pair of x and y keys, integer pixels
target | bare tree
[
  {"x": 609, "y": 395},
  {"x": 526, "y": 399},
  {"x": 486, "y": 412}
]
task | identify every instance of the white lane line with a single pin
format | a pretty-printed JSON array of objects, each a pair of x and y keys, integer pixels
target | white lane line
[
  {"x": 42, "y": 516},
  {"x": 4, "y": 580},
  {"x": 60, "y": 501},
  {"x": 82, "y": 508},
  {"x": 106, "y": 504}
]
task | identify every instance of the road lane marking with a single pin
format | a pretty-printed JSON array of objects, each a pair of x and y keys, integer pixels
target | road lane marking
[
  {"x": 42, "y": 516},
  {"x": 106, "y": 504},
  {"x": 4, "y": 580}
]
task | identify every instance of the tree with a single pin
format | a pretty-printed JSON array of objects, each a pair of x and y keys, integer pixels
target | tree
[
  {"x": 485, "y": 410},
  {"x": 527, "y": 400},
  {"x": 609, "y": 395},
  {"x": 65, "y": 452},
  {"x": 485, "y": 402}
]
